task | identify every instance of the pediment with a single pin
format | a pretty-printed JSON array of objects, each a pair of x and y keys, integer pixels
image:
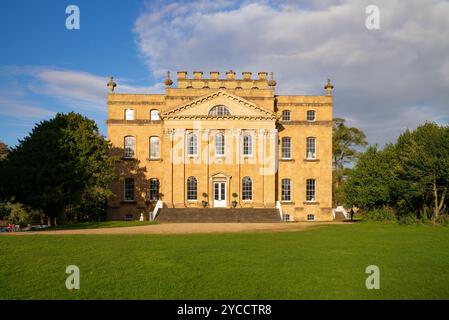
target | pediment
[
  {"x": 220, "y": 176},
  {"x": 239, "y": 108}
]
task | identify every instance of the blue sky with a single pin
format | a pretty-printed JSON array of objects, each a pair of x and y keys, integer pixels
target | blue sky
[
  {"x": 34, "y": 36},
  {"x": 385, "y": 80}
]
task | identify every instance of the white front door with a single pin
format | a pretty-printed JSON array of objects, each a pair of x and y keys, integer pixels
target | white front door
[{"x": 219, "y": 194}]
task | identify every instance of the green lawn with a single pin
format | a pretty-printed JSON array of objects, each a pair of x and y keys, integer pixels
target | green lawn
[
  {"x": 99, "y": 225},
  {"x": 322, "y": 263}
]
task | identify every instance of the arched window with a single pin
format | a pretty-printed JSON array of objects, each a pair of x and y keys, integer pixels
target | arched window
[
  {"x": 154, "y": 148},
  {"x": 129, "y": 114},
  {"x": 286, "y": 190},
  {"x": 310, "y": 190},
  {"x": 130, "y": 147},
  {"x": 192, "y": 144},
  {"x": 286, "y": 115},
  {"x": 247, "y": 188},
  {"x": 310, "y": 115},
  {"x": 247, "y": 144},
  {"x": 286, "y": 148},
  {"x": 192, "y": 187},
  {"x": 154, "y": 189},
  {"x": 220, "y": 111},
  {"x": 219, "y": 144},
  {"x": 129, "y": 189},
  {"x": 154, "y": 115},
  {"x": 311, "y": 148}
]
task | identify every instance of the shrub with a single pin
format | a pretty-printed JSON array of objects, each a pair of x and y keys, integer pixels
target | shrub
[
  {"x": 15, "y": 213},
  {"x": 409, "y": 219},
  {"x": 384, "y": 214},
  {"x": 443, "y": 220}
]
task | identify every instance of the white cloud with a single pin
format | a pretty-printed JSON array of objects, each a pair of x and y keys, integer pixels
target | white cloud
[
  {"x": 23, "y": 110},
  {"x": 78, "y": 90},
  {"x": 394, "y": 77},
  {"x": 36, "y": 93}
]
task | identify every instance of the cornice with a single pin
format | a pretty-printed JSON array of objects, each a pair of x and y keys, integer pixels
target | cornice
[
  {"x": 137, "y": 103},
  {"x": 303, "y": 104},
  {"x": 307, "y": 123}
]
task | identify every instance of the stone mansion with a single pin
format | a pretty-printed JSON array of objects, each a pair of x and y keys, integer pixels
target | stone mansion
[{"x": 222, "y": 142}]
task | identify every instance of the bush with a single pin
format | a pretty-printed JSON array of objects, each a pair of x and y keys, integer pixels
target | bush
[
  {"x": 443, "y": 220},
  {"x": 15, "y": 213},
  {"x": 409, "y": 219},
  {"x": 384, "y": 214}
]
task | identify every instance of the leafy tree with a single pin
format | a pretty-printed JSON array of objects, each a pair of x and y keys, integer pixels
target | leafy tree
[
  {"x": 369, "y": 183},
  {"x": 345, "y": 141},
  {"x": 423, "y": 170},
  {"x": 61, "y": 162},
  {"x": 412, "y": 176},
  {"x": 3, "y": 151}
]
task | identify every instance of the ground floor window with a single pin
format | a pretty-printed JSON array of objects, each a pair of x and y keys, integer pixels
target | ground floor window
[
  {"x": 192, "y": 187},
  {"x": 286, "y": 217},
  {"x": 154, "y": 189},
  {"x": 129, "y": 189},
  {"x": 310, "y": 217},
  {"x": 247, "y": 188},
  {"x": 310, "y": 190},
  {"x": 286, "y": 194}
]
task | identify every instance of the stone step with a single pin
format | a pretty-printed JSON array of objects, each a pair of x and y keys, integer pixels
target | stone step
[
  {"x": 218, "y": 215},
  {"x": 339, "y": 216}
]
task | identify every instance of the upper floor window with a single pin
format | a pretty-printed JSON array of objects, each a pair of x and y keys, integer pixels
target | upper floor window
[
  {"x": 129, "y": 189},
  {"x": 154, "y": 115},
  {"x": 247, "y": 189},
  {"x": 311, "y": 148},
  {"x": 286, "y": 115},
  {"x": 310, "y": 190},
  {"x": 286, "y": 148},
  {"x": 154, "y": 189},
  {"x": 219, "y": 144},
  {"x": 154, "y": 148},
  {"x": 247, "y": 144},
  {"x": 192, "y": 144},
  {"x": 219, "y": 110},
  {"x": 311, "y": 115},
  {"x": 129, "y": 114},
  {"x": 130, "y": 147},
  {"x": 286, "y": 190},
  {"x": 192, "y": 189}
]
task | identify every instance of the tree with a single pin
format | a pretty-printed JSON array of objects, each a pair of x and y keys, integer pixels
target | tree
[
  {"x": 61, "y": 163},
  {"x": 3, "y": 151},
  {"x": 345, "y": 141},
  {"x": 411, "y": 176},
  {"x": 423, "y": 171},
  {"x": 370, "y": 182}
]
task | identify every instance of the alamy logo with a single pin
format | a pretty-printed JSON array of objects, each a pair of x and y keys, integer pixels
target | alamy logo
[
  {"x": 73, "y": 280},
  {"x": 373, "y": 280},
  {"x": 72, "y": 22},
  {"x": 372, "y": 22}
]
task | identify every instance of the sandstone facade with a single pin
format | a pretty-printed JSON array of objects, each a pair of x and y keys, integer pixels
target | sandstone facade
[{"x": 225, "y": 141}]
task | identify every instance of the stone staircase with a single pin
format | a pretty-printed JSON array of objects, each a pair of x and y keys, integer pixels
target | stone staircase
[
  {"x": 222, "y": 215},
  {"x": 339, "y": 216}
]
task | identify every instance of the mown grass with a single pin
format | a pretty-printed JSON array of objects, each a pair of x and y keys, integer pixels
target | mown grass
[
  {"x": 99, "y": 225},
  {"x": 321, "y": 263}
]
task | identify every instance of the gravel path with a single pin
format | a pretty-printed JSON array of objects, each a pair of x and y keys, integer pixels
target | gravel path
[{"x": 188, "y": 228}]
